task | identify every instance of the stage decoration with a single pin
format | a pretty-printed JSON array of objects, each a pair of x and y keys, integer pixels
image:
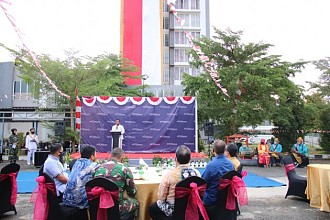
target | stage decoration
[
  {"x": 32, "y": 55},
  {"x": 209, "y": 65},
  {"x": 152, "y": 124}
]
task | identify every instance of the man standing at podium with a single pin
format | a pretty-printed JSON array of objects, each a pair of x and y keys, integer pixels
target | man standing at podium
[{"x": 118, "y": 128}]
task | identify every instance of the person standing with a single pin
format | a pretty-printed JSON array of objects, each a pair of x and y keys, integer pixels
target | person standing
[
  {"x": 276, "y": 153},
  {"x": 31, "y": 144},
  {"x": 123, "y": 177},
  {"x": 119, "y": 128},
  {"x": 13, "y": 146},
  {"x": 214, "y": 171},
  {"x": 300, "y": 153}
]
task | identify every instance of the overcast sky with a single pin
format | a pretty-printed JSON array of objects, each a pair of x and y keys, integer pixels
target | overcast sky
[{"x": 299, "y": 29}]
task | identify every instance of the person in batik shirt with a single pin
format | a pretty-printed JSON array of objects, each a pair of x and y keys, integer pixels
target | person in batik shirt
[
  {"x": 75, "y": 194},
  {"x": 164, "y": 207},
  {"x": 123, "y": 177}
]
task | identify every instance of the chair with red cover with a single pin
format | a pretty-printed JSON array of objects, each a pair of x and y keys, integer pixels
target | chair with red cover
[
  {"x": 102, "y": 190},
  {"x": 8, "y": 188},
  {"x": 188, "y": 199},
  {"x": 220, "y": 210},
  {"x": 297, "y": 184}
]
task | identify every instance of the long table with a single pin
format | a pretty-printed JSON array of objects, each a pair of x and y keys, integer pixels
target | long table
[
  {"x": 147, "y": 189},
  {"x": 318, "y": 186}
]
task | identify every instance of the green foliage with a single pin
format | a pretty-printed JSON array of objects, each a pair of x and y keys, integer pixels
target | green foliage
[
  {"x": 252, "y": 77},
  {"x": 323, "y": 86},
  {"x": 325, "y": 125}
]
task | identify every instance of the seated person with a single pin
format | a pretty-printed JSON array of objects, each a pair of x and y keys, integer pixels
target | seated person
[
  {"x": 214, "y": 171},
  {"x": 245, "y": 151},
  {"x": 276, "y": 153},
  {"x": 231, "y": 152},
  {"x": 263, "y": 152},
  {"x": 123, "y": 177},
  {"x": 163, "y": 208},
  {"x": 300, "y": 153},
  {"x": 75, "y": 194},
  {"x": 55, "y": 170}
]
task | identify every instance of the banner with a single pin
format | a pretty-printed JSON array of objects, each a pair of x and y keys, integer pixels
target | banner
[{"x": 152, "y": 125}]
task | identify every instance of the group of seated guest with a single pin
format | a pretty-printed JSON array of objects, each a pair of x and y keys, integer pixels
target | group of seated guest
[{"x": 73, "y": 187}]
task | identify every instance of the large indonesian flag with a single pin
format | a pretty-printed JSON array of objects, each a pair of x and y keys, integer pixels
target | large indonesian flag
[{"x": 141, "y": 38}]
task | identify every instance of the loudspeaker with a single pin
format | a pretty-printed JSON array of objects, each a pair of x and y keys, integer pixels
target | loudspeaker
[
  {"x": 59, "y": 128},
  {"x": 40, "y": 158},
  {"x": 209, "y": 129}
]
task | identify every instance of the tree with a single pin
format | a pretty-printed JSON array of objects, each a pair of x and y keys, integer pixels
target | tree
[
  {"x": 91, "y": 76},
  {"x": 323, "y": 87},
  {"x": 256, "y": 82}
]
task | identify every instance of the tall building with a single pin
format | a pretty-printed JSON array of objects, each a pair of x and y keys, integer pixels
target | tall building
[
  {"x": 175, "y": 45},
  {"x": 153, "y": 40}
]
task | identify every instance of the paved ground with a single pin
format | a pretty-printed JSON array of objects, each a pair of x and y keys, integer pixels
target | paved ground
[{"x": 264, "y": 203}]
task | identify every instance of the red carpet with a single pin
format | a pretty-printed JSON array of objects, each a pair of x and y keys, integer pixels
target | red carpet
[{"x": 138, "y": 155}]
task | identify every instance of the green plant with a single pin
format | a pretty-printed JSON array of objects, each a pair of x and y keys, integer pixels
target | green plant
[{"x": 156, "y": 159}]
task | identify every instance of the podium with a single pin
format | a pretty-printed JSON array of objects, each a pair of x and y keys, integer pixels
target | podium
[{"x": 115, "y": 138}]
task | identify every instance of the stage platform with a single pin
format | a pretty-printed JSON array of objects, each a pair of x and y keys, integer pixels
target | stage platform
[{"x": 105, "y": 156}]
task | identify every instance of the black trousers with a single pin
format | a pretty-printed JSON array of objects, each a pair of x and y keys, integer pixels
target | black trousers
[{"x": 157, "y": 214}]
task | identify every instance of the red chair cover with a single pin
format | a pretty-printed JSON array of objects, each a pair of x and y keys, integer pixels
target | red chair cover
[
  {"x": 106, "y": 200},
  {"x": 236, "y": 189},
  {"x": 39, "y": 197},
  {"x": 12, "y": 177},
  {"x": 289, "y": 167},
  {"x": 194, "y": 200}
]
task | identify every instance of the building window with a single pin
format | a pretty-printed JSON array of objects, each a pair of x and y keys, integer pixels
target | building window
[
  {"x": 186, "y": 20},
  {"x": 181, "y": 56},
  {"x": 184, "y": 4},
  {"x": 165, "y": 6},
  {"x": 194, "y": 4},
  {"x": 180, "y": 37},
  {"x": 191, "y": 20},
  {"x": 21, "y": 90},
  {"x": 166, "y": 40},
  {"x": 166, "y": 23},
  {"x": 194, "y": 20},
  {"x": 166, "y": 56},
  {"x": 166, "y": 75},
  {"x": 179, "y": 71}
]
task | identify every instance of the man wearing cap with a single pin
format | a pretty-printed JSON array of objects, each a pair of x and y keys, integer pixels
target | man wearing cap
[{"x": 276, "y": 153}]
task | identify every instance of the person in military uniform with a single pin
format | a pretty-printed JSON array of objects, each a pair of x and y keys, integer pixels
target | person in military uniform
[
  {"x": 123, "y": 177},
  {"x": 13, "y": 146}
]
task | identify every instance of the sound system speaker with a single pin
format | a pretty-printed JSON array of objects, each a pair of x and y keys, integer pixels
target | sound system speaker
[
  {"x": 59, "y": 128},
  {"x": 40, "y": 158},
  {"x": 209, "y": 129}
]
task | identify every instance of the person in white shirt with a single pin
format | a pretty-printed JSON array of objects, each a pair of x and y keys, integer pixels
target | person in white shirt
[
  {"x": 54, "y": 169},
  {"x": 119, "y": 127},
  {"x": 31, "y": 144}
]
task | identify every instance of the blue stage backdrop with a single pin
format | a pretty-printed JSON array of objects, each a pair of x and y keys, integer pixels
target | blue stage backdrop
[{"x": 152, "y": 125}]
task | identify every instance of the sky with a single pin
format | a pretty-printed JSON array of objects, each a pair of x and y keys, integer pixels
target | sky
[{"x": 298, "y": 29}]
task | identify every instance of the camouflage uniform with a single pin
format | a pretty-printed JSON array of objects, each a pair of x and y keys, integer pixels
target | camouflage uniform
[
  {"x": 123, "y": 177},
  {"x": 13, "y": 139}
]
